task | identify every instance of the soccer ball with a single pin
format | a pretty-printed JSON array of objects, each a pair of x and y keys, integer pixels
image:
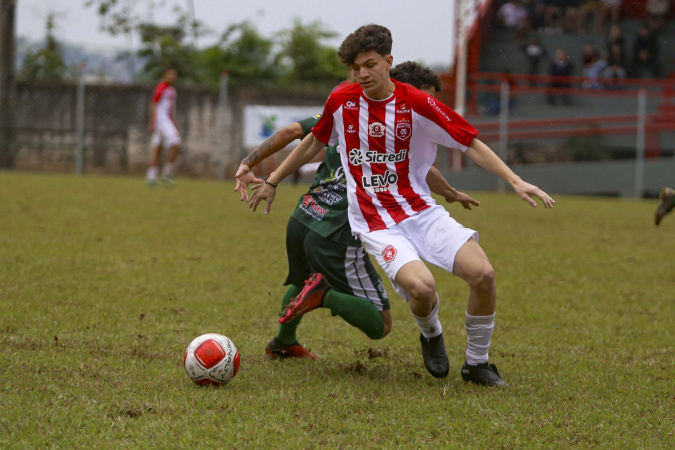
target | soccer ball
[{"x": 211, "y": 359}]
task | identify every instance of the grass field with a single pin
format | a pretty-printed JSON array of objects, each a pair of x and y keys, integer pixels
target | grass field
[{"x": 104, "y": 282}]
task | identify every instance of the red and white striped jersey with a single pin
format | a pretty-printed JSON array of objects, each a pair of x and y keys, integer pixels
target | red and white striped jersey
[
  {"x": 164, "y": 99},
  {"x": 387, "y": 148}
]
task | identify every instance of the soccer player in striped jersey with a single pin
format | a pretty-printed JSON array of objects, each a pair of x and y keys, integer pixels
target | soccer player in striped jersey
[
  {"x": 387, "y": 134},
  {"x": 163, "y": 128},
  {"x": 319, "y": 238}
]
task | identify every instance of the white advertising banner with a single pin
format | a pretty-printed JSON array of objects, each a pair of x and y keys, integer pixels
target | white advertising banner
[{"x": 262, "y": 121}]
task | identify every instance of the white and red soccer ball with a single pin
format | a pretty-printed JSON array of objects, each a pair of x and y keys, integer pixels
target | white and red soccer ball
[{"x": 211, "y": 359}]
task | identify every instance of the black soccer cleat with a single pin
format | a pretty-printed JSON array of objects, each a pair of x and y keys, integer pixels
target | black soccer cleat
[
  {"x": 435, "y": 357},
  {"x": 484, "y": 374}
]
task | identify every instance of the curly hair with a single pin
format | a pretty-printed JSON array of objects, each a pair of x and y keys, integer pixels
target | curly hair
[
  {"x": 364, "y": 39},
  {"x": 415, "y": 75}
]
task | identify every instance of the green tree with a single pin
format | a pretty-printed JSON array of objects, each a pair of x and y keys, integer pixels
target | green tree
[
  {"x": 160, "y": 46},
  {"x": 45, "y": 64},
  {"x": 243, "y": 53},
  {"x": 307, "y": 59},
  {"x": 164, "y": 46}
]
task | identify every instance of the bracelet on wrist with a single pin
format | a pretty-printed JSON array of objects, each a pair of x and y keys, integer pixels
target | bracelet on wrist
[{"x": 273, "y": 185}]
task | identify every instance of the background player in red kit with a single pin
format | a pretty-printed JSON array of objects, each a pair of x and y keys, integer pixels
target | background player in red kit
[
  {"x": 163, "y": 128},
  {"x": 387, "y": 134}
]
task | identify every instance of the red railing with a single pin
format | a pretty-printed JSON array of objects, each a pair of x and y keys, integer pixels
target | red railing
[
  {"x": 662, "y": 121},
  {"x": 543, "y": 84}
]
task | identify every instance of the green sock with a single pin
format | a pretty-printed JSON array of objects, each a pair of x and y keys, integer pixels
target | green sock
[
  {"x": 356, "y": 311},
  {"x": 286, "y": 334}
]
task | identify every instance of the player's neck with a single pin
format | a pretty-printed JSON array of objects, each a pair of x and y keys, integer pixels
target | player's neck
[{"x": 383, "y": 93}]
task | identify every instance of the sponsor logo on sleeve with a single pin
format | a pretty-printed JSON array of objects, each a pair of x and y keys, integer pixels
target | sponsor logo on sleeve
[
  {"x": 389, "y": 253},
  {"x": 376, "y": 129},
  {"x": 438, "y": 109}
]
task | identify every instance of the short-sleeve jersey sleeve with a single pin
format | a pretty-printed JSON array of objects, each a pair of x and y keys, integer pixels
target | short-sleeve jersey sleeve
[
  {"x": 308, "y": 123},
  {"x": 158, "y": 92},
  {"x": 443, "y": 125},
  {"x": 323, "y": 130}
]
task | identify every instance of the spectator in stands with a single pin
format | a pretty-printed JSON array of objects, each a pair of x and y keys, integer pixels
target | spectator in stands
[
  {"x": 584, "y": 9},
  {"x": 589, "y": 56},
  {"x": 535, "y": 53},
  {"x": 608, "y": 9},
  {"x": 616, "y": 64},
  {"x": 658, "y": 11},
  {"x": 615, "y": 37},
  {"x": 551, "y": 11},
  {"x": 645, "y": 54},
  {"x": 596, "y": 70},
  {"x": 643, "y": 65},
  {"x": 512, "y": 14},
  {"x": 560, "y": 67}
]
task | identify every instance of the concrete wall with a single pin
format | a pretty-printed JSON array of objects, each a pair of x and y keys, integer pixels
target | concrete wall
[{"x": 116, "y": 126}]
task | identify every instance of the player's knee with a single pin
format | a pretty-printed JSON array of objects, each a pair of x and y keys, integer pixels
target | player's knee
[
  {"x": 423, "y": 289},
  {"x": 484, "y": 278}
]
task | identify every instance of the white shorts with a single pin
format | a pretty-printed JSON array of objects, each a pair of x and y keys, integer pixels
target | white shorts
[
  {"x": 165, "y": 134},
  {"x": 431, "y": 235}
]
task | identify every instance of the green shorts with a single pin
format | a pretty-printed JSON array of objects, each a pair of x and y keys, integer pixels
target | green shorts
[{"x": 347, "y": 268}]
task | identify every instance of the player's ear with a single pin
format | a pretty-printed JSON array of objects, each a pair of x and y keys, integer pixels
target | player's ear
[{"x": 389, "y": 59}]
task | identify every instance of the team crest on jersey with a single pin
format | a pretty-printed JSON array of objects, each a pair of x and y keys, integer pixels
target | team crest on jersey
[
  {"x": 403, "y": 130},
  {"x": 356, "y": 157},
  {"x": 389, "y": 253},
  {"x": 376, "y": 129}
]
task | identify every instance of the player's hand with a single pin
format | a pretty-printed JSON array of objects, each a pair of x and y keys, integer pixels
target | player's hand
[
  {"x": 464, "y": 199},
  {"x": 245, "y": 177},
  {"x": 526, "y": 191},
  {"x": 265, "y": 192}
]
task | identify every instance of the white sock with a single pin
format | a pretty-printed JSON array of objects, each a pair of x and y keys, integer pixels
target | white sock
[
  {"x": 478, "y": 334},
  {"x": 429, "y": 326},
  {"x": 152, "y": 173},
  {"x": 167, "y": 170}
]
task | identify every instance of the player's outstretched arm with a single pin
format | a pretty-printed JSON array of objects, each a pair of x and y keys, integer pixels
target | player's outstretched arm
[
  {"x": 272, "y": 144},
  {"x": 439, "y": 185},
  {"x": 301, "y": 155},
  {"x": 482, "y": 155}
]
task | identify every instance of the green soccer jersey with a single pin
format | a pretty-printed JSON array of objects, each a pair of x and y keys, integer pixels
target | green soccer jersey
[{"x": 323, "y": 209}]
